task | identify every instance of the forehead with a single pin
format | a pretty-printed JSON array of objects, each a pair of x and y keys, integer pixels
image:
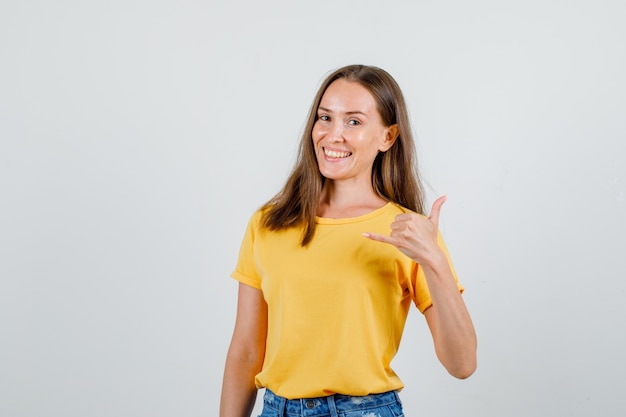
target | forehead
[{"x": 344, "y": 95}]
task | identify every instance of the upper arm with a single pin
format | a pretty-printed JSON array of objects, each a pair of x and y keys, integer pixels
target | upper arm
[
  {"x": 430, "y": 314},
  {"x": 251, "y": 323}
]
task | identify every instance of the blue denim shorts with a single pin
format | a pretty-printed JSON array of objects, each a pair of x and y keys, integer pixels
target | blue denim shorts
[{"x": 375, "y": 405}]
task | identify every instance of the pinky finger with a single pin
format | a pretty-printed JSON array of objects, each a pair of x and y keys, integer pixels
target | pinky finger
[{"x": 379, "y": 238}]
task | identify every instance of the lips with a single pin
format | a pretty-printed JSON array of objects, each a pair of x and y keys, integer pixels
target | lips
[{"x": 336, "y": 154}]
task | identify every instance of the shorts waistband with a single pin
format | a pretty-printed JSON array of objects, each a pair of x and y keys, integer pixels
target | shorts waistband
[{"x": 329, "y": 404}]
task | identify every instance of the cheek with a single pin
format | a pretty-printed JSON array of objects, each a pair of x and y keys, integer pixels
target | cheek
[{"x": 316, "y": 133}]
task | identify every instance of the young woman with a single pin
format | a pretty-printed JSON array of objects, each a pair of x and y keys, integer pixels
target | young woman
[{"x": 328, "y": 268}]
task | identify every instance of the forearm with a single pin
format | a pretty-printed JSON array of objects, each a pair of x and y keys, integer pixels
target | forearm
[
  {"x": 238, "y": 388},
  {"x": 245, "y": 354},
  {"x": 449, "y": 321}
]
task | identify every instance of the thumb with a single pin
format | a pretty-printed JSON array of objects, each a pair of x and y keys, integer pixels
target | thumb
[{"x": 436, "y": 210}]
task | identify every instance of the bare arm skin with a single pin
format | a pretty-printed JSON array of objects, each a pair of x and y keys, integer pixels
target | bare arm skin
[
  {"x": 245, "y": 354},
  {"x": 448, "y": 319},
  {"x": 450, "y": 323}
]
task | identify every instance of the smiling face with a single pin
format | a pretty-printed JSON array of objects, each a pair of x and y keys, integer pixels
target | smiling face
[{"x": 349, "y": 132}]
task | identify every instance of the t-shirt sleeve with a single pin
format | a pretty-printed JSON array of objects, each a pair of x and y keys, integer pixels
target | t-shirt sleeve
[
  {"x": 245, "y": 270},
  {"x": 420, "y": 292}
]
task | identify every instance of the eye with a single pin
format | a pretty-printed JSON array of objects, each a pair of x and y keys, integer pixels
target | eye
[
  {"x": 323, "y": 118},
  {"x": 354, "y": 122}
]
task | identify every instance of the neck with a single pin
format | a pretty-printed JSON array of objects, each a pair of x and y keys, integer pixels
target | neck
[{"x": 346, "y": 200}]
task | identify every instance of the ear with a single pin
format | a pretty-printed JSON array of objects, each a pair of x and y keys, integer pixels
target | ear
[{"x": 391, "y": 134}]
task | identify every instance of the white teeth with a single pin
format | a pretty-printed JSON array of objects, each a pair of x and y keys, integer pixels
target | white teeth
[{"x": 335, "y": 154}]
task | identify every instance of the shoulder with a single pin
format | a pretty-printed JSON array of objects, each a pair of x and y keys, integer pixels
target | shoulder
[
  {"x": 399, "y": 209},
  {"x": 395, "y": 208},
  {"x": 257, "y": 217},
  {"x": 260, "y": 220}
]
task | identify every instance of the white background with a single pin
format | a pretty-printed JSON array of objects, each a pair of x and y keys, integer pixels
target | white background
[{"x": 137, "y": 137}]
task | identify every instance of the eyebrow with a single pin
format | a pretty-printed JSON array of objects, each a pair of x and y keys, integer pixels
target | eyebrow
[{"x": 348, "y": 112}]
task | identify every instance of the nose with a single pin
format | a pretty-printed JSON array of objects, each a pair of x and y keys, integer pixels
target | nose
[{"x": 335, "y": 132}]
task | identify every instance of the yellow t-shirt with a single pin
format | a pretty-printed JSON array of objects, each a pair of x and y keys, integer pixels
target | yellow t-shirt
[{"x": 336, "y": 308}]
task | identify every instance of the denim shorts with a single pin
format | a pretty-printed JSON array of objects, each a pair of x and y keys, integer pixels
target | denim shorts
[{"x": 375, "y": 405}]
